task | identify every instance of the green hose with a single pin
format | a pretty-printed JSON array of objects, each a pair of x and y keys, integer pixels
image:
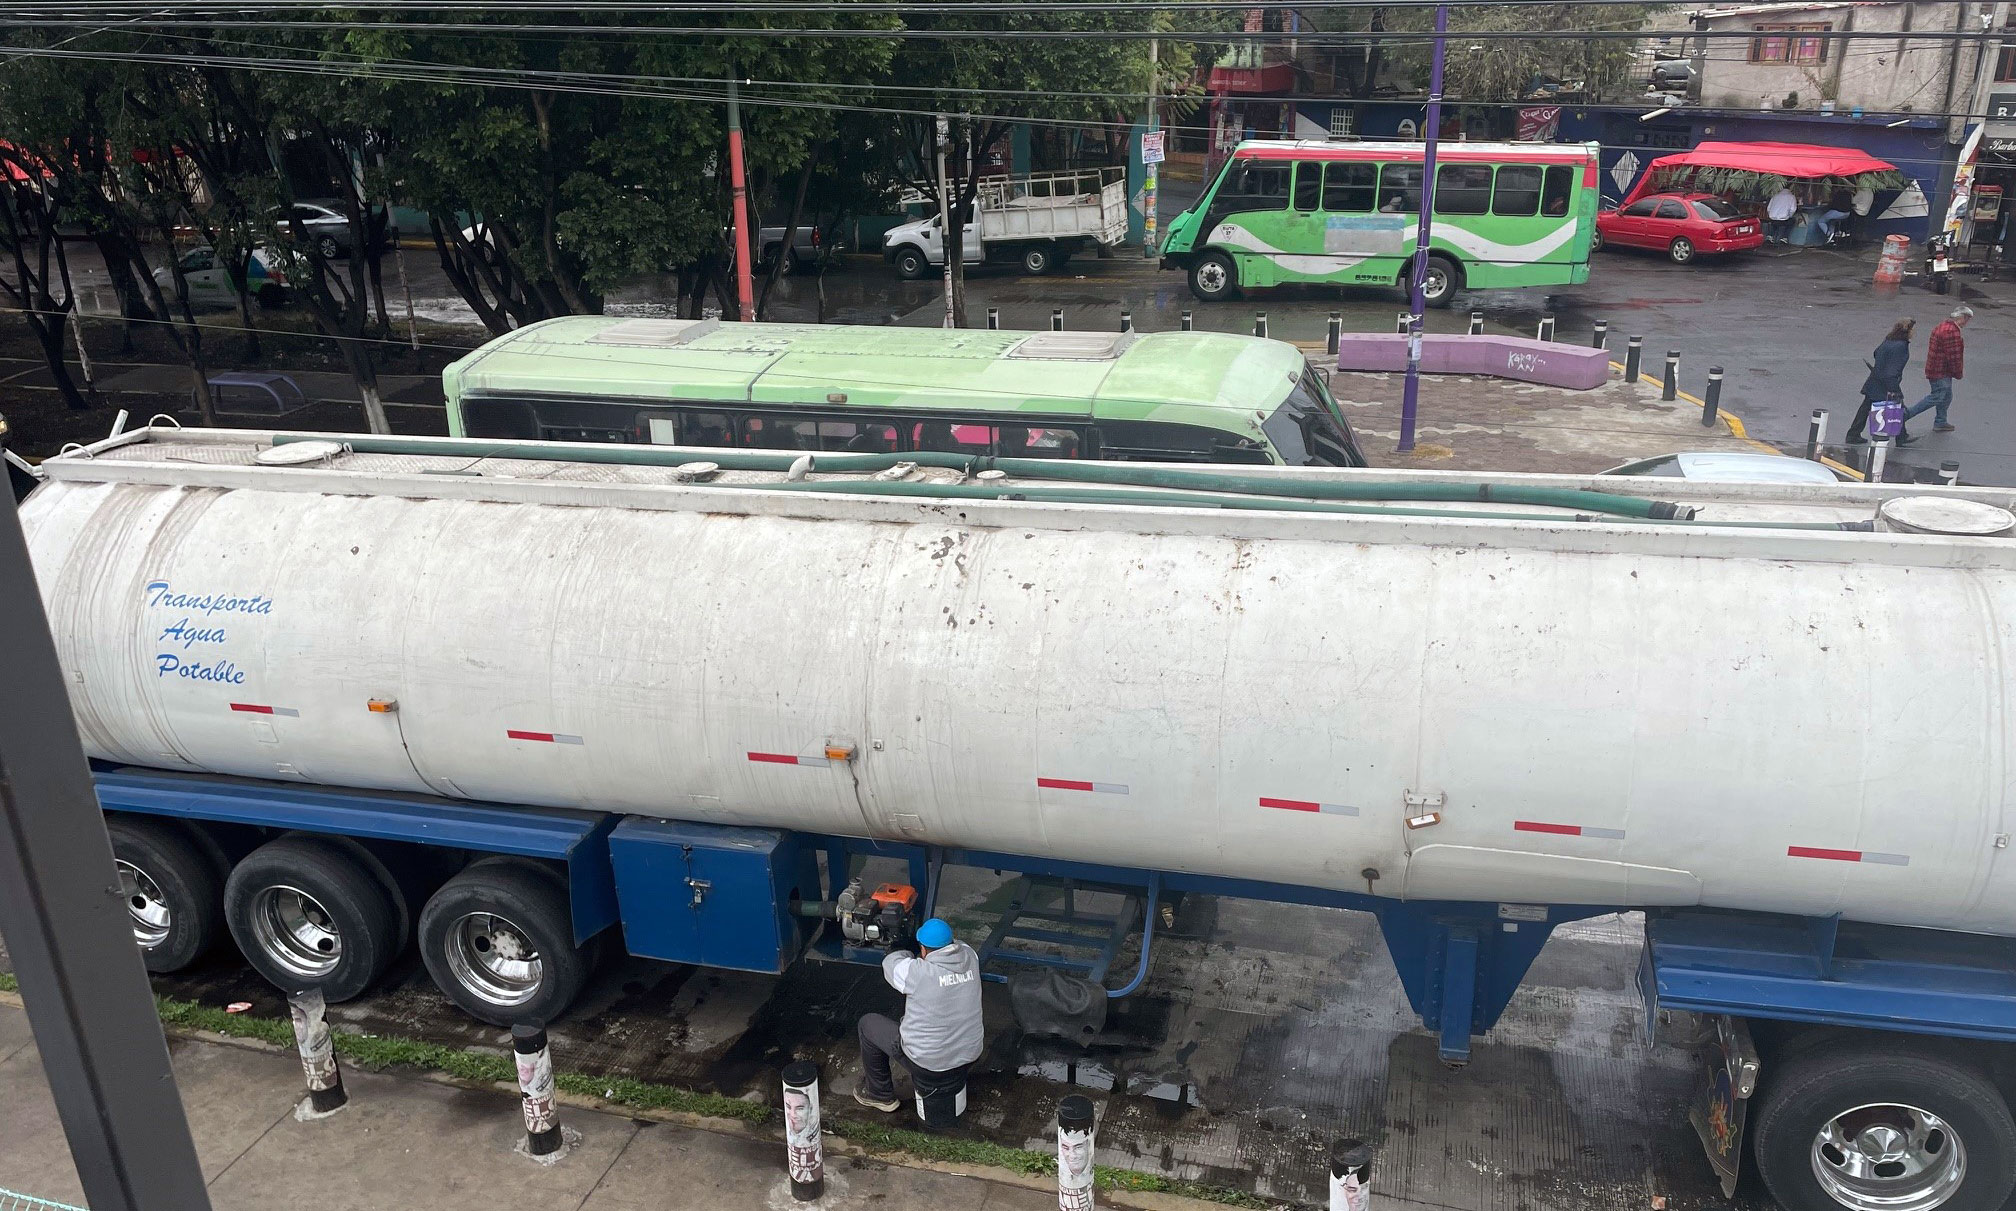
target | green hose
[{"x": 1126, "y": 474}]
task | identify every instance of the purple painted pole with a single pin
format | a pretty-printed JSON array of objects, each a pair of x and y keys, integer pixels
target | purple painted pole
[{"x": 1410, "y": 402}]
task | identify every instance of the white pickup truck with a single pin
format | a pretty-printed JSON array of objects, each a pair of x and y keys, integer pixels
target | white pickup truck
[{"x": 1039, "y": 221}]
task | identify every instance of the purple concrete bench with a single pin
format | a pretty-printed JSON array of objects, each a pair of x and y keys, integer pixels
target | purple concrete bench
[{"x": 1575, "y": 367}]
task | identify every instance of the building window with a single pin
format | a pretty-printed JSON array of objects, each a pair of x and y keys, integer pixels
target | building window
[
  {"x": 2005, "y": 58},
  {"x": 1343, "y": 119},
  {"x": 1789, "y": 44}
]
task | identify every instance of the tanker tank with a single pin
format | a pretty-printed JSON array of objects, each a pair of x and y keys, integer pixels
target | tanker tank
[{"x": 1489, "y": 688}]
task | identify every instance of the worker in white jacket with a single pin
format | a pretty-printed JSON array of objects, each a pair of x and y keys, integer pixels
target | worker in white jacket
[{"x": 940, "y": 1032}]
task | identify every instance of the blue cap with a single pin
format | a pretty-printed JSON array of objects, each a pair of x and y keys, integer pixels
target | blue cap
[{"x": 934, "y": 933}]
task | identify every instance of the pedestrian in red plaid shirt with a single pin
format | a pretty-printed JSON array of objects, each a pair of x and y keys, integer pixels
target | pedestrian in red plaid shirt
[{"x": 1944, "y": 355}]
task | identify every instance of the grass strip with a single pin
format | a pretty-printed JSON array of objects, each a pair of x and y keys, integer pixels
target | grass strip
[{"x": 378, "y": 1052}]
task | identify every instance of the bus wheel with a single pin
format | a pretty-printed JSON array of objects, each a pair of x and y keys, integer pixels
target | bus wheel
[
  {"x": 498, "y": 939},
  {"x": 910, "y": 264},
  {"x": 1213, "y": 279},
  {"x": 1438, "y": 286},
  {"x": 1883, "y": 1130},
  {"x": 172, "y": 891},
  {"x": 309, "y": 915}
]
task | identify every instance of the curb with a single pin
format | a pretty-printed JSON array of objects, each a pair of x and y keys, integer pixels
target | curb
[
  {"x": 1131, "y": 1200},
  {"x": 1734, "y": 422}
]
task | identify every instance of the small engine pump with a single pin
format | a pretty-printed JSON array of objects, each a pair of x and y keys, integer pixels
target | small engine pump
[{"x": 885, "y": 917}]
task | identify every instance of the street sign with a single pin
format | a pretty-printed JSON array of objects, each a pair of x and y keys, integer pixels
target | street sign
[{"x": 1151, "y": 147}]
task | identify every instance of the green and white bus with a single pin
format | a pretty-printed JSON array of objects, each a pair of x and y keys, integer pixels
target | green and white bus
[
  {"x": 1506, "y": 214},
  {"x": 1162, "y": 397}
]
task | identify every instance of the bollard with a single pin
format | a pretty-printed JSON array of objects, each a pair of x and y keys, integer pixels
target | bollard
[
  {"x": 1476, "y": 323},
  {"x": 1126, "y": 321},
  {"x": 1601, "y": 339},
  {"x": 1949, "y": 473},
  {"x": 1546, "y": 326},
  {"x": 1056, "y": 319},
  {"x": 1403, "y": 323},
  {"x": 1711, "y": 408},
  {"x": 1075, "y": 1126},
  {"x": 1336, "y": 332},
  {"x": 535, "y": 1086},
  {"x": 1634, "y": 357},
  {"x": 1816, "y": 434},
  {"x": 1186, "y": 321},
  {"x": 1350, "y": 1175},
  {"x": 1259, "y": 323},
  {"x": 802, "y": 1149},
  {"x": 993, "y": 317},
  {"x": 1670, "y": 389},
  {"x": 318, "y": 1053},
  {"x": 1879, "y": 454}
]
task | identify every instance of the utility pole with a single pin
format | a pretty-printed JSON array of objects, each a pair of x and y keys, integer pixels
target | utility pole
[
  {"x": 70, "y": 937},
  {"x": 745, "y": 289},
  {"x": 1150, "y": 171},
  {"x": 945, "y": 219},
  {"x": 1410, "y": 401}
]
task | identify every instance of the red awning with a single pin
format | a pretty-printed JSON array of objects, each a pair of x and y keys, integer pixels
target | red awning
[{"x": 1807, "y": 161}]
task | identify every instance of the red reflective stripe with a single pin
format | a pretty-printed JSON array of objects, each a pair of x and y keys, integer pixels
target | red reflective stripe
[
  {"x": 1832, "y": 855},
  {"x": 1064, "y": 784},
  {"x": 251, "y": 707},
  {"x": 1534, "y": 826},
  {"x": 774, "y": 758},
  {"x": 515, "y": 734},
  {"x": 1292, "y": 805}
]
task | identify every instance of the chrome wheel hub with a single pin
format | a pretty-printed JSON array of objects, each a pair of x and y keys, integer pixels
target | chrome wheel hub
[
  {"x": 494, "y": 959},
  {"x": 295, "y": 931},
  {"x": 1211, "y": 276},
  {"x": 1886, "y": 1157},
  {"x": 145, "y": 905}
]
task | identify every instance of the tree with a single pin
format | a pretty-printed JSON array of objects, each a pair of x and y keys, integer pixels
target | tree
[
  {"x": 38, "y": 286},
  {"x": 1509, "y": 69}
]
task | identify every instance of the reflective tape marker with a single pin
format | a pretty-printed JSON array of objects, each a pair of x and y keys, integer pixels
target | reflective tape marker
[
  {"x": 545, "y": 737},
  {"x": 1309, "y": 805},
  {"x": 1567, "y": 830},
  {"x": 253, "y": 708},
  {"x": 1846, "y": 855},
  {"x": 1073, "y": 784},
  {"x": 787, "y": 759}
]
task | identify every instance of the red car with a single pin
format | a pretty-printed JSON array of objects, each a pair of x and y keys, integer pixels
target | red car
[{"x": 1682, "y": 225}]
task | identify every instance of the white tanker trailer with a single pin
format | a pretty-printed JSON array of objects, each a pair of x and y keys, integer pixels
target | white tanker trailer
[{"x": 627, "y": 686}]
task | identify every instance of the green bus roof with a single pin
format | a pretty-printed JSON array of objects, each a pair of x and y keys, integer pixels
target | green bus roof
[{"x": 1096, "y": 375}]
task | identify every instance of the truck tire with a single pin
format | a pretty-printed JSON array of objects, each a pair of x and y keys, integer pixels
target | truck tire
[
  {"x": 1895, "y": 1129},
  {"x": 498, "y": 939},
  {"x": 911, "y": 263},
  {"x": 1038, "y": 259},
  {"x": 308, "y": 915},
  {"x": 172, "y": 891},
  {"x": 1213, "y": 278}
]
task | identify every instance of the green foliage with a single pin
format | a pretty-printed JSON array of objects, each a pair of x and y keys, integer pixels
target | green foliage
[{"x": 1510, "y": 68}]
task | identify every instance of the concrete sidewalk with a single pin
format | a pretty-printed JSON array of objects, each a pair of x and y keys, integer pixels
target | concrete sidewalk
[{"x": 408, "y": 1141}]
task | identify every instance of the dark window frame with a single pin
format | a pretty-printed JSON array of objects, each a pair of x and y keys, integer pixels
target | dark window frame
[{"x": 1500, "y": 193}]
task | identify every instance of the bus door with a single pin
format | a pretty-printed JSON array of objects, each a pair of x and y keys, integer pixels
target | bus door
[{"x": 1355, "y": 231}]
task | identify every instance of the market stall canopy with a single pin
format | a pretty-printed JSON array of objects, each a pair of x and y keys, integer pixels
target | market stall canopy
[{"x": 1765, "y": 165}]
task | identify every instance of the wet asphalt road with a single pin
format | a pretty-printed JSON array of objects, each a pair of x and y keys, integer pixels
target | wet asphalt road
[{"x": 1790, "y": 327}]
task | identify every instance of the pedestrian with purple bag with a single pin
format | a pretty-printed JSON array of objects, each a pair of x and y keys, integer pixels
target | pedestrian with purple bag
[{"x": 1886, "y": 376}]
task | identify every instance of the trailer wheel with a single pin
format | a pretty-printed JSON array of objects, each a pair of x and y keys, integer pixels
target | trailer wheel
[
  {"x": 498, "y": 939},
  {"x": 1895, "y": 1130},
  {"x": 172, "y": 891},
  {"x": 308, "y": 915}
]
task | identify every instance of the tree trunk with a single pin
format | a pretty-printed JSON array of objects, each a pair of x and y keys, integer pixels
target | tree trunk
[
  {"x": 252, "y": 350},
  {"x": 783, "y": 258},
  {"x": 76, "y": 322},
  {"x": 133, "y": 306}
]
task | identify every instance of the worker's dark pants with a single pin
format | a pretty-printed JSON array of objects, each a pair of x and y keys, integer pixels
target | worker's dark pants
[{"x": 881, "y": 1041}]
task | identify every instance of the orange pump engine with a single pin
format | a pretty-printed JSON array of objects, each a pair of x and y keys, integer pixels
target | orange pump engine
[{"x": 886, "y": 916}]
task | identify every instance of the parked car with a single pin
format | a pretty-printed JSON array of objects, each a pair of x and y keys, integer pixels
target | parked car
[
  {"x": 808, "y": 247},
  {"x": 210, "y": 283},
  {"x": 327, "y": 227},
  {"x": 1683, "y": 225},
  {"x": 1731, "y": 467}
]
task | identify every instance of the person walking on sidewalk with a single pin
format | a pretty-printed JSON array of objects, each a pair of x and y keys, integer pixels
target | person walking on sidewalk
[
  {"x": 940, "y": 1032},
  {"x": 1886, "y": 376},
  {"x": 1944, "y": 354}
]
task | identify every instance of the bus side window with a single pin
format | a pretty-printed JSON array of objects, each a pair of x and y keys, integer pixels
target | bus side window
[
  {"x": 702, "y": 429},
  {"x": 780, "y": 433},
  {"x": 1350, "y": 188},
  {"x": 1308, "y": 185},
  {"x": 1020, "y": 441},
  {"x": 947, "y": 437},
  {"x": 1518, "y": 190},
  {"x": 1463, "y": 189},
  {"x": 1559, "y": 192},
  {"x": 499, "y": 418},
  {"x": 859, "y": 437},
  {"x": 1168, "y": 442},
  {"x": 1255, "y": 186},
  {"x": 1400, "y": 189}
]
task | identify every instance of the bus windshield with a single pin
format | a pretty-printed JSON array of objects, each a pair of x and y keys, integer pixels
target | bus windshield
[{"x": 1308, "y": 429}]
